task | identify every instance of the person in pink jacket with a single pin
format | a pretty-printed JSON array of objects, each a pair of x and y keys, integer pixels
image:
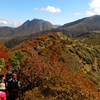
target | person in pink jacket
[
  {"x": 2, "y": 91},
  {"x": 2, "y": 95}
]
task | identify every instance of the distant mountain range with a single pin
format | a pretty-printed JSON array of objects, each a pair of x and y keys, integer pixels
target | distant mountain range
[
  {"x": 78, "y": 27},
  {"x": 81, "y": 26},
  {"x": 36, "y": 27},
  {"x": 28, "y": 27},
  {"x": 33, "y": 26}
]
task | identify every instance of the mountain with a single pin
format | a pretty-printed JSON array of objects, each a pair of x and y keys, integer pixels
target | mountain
[
  {"x": 58, "y": 67},
  {"x": 6, "y": 31},
  {"x": 33, "y": 26},
  {"x": 26, "y": 28},
  {"x": 54, "y": 66},
  {"x": 81, "y": 26},
  {"x": 38, "y": 27},
  {"x": 89, "y": 20}
]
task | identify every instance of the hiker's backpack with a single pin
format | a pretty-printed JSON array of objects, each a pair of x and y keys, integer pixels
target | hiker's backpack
[
  {"x": 12, "y": 85},
  {"x": 8, "y": 76},
  {"x": 12, "y": 88}
]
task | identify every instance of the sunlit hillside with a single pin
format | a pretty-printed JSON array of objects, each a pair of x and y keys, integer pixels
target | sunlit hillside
[{"x": 57, "y": 67}]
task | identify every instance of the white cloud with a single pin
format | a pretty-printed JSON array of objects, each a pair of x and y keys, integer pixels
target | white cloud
[
  {"x": 95, "y": 4},
  {"x": 4, "y": 22},
  {"x": 94, "y": 7},
  {"x": 49, "y": 9},
  {"x": 90, "y": 13},
  {"x": 78, "y": 14},
  {"x": 15, "y": 23}
]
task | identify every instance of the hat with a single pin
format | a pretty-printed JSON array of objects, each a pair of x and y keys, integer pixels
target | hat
[
  {"x": 10, "y": 73},
  {"x": 14, "y": 75},
  {"x": 2, "y": 86}
]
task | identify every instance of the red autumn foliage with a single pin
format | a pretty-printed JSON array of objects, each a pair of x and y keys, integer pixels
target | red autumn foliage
[
  {"x": 33, "y": 71},
  {"x": 4, "y": 55}
]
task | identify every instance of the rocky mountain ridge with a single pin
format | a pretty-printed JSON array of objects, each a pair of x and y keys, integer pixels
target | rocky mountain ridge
[{"x": 26, "y": 28}]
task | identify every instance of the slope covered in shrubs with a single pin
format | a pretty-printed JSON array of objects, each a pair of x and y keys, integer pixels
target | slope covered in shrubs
[{"x": 53, "y": 66}]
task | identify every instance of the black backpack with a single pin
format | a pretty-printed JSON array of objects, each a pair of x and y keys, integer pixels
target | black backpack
[
  {"x": 12, "y": 85},
  {"x": 8, "y": 76}
]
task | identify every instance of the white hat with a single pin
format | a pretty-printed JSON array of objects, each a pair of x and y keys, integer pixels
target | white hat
[{"x": 2, "y": 86}]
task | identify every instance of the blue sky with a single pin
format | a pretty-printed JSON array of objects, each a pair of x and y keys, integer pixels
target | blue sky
[{"x": 16, "y": 12}]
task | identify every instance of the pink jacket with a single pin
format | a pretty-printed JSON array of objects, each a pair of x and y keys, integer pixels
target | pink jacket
[{"x": 2, "y": 95}]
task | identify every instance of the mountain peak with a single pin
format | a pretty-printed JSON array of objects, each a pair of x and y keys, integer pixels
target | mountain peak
[
  {"x": 95, "y": 18},
  {"x": 31, "y": 26},
  {"x": 35, "y": 19}
]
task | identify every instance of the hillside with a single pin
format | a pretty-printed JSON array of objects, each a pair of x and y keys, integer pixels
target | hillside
[
  {"x": 53, "y": 66},
  {"x": 2, "y": 47},
  {"x": 90, "y": 38},
  {"x": 6, "y": 32},
  {"x": 81, "y": 26},
  {"x": 3, "y": 56},
  {"x": 70, "y": 52},
  {"x": 58, "y": 67}
]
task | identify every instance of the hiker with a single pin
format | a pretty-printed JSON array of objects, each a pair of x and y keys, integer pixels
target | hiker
[
  {"x": 8, "y": 76},
  {"x": 2, "y": 88},
  {"x": 12, "y": 87},
  {"x": 2, "y": 78}
]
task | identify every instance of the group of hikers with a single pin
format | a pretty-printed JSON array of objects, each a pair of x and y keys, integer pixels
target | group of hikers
[{"x": 9, "y": 86}]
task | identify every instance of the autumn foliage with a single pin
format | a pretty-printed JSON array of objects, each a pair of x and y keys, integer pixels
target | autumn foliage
[
  {"x": 54, "y": 67},
  {"x": 4, "y": 55},
  {"x": 34, "y": 71},
  {"x": 52, "y": 81}
]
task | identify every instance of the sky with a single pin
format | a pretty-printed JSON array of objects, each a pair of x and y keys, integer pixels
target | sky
[{"x": 15, "y": 12}]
